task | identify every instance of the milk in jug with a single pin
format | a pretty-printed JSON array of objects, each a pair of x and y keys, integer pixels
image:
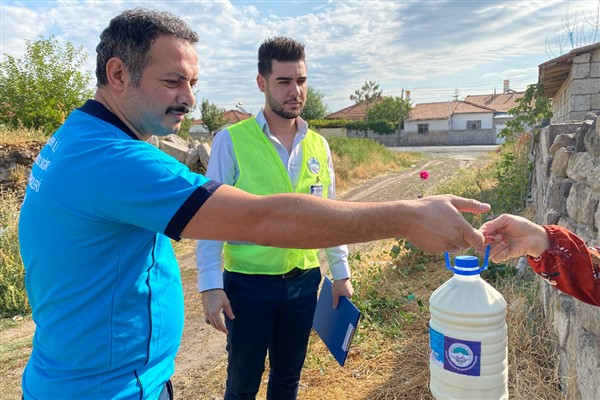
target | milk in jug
[{"x": 467, "y": 335}]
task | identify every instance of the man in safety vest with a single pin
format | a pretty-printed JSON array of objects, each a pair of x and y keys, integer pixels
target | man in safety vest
[{"x": 269, "y": 294}]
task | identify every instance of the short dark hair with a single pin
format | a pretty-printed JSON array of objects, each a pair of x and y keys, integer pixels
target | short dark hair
[
  {"x": 280, "y": 49},
  {"x": 130, "y": 35}
]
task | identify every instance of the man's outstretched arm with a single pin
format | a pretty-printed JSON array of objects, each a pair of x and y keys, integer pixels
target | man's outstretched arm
[{"x": 434, "y": 223}]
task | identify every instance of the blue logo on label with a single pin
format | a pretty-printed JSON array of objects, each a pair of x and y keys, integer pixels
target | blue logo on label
[
  {"x": 462, "y": 356},
  {"x": 313, "y": 165}
]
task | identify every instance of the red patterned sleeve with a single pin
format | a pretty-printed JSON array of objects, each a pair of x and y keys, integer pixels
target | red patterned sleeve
[{"x": 570, "y": 265}]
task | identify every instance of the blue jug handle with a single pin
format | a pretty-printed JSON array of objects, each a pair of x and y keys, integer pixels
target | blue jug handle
[{"x": 486, "y": 259}]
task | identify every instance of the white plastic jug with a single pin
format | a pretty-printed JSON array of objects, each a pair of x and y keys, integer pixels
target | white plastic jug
[{"x": 467, "y": 336}]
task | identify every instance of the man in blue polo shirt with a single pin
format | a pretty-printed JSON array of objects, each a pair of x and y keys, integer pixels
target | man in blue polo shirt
[{"x": 102, "y": 205}]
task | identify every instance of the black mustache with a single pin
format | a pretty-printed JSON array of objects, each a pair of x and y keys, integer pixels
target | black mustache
[{"x": 183, "y": 109}]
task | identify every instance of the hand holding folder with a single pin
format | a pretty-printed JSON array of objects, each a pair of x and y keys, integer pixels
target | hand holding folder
[{"x": 335, "y": 326}]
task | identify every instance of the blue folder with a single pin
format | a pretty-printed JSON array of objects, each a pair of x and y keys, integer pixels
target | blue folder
[{"x": 335, "y": 326}]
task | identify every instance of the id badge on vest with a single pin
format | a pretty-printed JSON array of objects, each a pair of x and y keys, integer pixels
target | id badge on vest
[{"x": 316, "y": 190}]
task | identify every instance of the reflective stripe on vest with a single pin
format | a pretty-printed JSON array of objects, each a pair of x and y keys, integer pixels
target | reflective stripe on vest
[{"x": 262, "y": 172}]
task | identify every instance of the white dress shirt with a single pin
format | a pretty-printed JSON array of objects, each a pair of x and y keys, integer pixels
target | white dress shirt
[{"x": 223, "y": 167}]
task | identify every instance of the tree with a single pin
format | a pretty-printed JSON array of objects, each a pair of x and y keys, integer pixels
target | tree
[
  {"x": 578, "y": 31},
  {"x": 367, "y": 93},
  {"x": 390, "y": 108},
  {"x": 532, "y": 108},
  {"x": 212, "y": 117},
  {"x": 41, "y": 89},
  {"x": 314, "y": 108}
]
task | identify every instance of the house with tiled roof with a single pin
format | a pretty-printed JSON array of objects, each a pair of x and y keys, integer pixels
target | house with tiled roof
[
  {"x": 447, "y": 123},
  {"x": 475, "y": 120},
  {"x": 199, "y": 132},
  {"x": 353, "y": 113}
]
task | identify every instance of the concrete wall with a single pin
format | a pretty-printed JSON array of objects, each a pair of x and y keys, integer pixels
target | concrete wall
[
  {"x": 566, "y": 192},
  {"x": 580, "y": 92},
  {"x": 459, "y": 121}
]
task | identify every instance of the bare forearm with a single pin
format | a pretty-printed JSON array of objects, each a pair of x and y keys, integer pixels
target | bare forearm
[
  {"x": 302, "y": 221},
  {"x": 310, "y": 222}
]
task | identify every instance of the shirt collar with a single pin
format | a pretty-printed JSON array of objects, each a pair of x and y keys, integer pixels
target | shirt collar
[
  {"x": 301, "y": 124},
  {"x": 98, "y": 110}
]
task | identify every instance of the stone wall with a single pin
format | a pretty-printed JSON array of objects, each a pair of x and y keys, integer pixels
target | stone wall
[
  {"x": 566, "y": 192},
  {"x": 580, "y": 92}
]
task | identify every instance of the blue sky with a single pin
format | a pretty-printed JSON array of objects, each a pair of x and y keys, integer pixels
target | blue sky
[{"x": 434, "y": 48}]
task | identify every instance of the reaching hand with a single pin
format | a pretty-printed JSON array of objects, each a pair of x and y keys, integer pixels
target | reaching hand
[
  {"x": 513, "y": 236},
  {"x": 439, "y": 225}
]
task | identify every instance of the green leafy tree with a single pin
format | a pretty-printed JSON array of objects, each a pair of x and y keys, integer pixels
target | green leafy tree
[
  {"x": 368, "y": 93},
  {"x": 41, "y": 89},
  {"x": 391, "y": 109},
  {"x": 532, "y": 108},
  {"x": 314, "y": 108},
  {"x": 212, "y": 117}
]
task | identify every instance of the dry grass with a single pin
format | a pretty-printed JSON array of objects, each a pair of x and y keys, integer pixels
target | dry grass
[
  {"x": 389, "y": 358},
  {"x": 20, "y": 136}
]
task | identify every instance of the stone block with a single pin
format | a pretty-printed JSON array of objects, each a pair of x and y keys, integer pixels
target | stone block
[
  {"x": 580, "y": 165},
  {"x": 563, "y": 140},
  {"x": 560, "y": 162},
  {"x": 582, "y": 204},
  {"x": 595, "y": 102},
  {"x": 585, "y": 86},
  {"x": 581, "y": 71},
  {"x": 174, "y": 149},
  {"x": 203, "y": 150},
  {"x": 595, "y": 70},
  {"x": 582, "y": 102},
  {"x": 558, "y": 192},
  {"x": 584, "y": 58}
]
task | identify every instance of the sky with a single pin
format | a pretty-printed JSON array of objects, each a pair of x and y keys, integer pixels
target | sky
[{"x": 435, "y": 49}]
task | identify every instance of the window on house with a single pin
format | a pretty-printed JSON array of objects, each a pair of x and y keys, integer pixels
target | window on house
[
  {"x": 423, "y": 128},
  {"x": 471, "y": 125}
]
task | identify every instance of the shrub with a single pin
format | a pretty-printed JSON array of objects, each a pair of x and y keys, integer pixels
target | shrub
[{"x": 13, "y": 298}]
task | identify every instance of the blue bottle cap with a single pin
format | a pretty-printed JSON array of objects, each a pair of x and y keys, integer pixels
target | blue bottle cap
[{"x": 468, "y": 265}]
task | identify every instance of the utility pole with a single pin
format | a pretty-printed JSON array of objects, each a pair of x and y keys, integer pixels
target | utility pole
[{"x": 400, "y": 122}]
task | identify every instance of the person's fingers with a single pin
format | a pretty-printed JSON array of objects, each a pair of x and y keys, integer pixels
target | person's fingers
[
  {"x": 474, "y": 238},
  {"x": 228, "y": 311},
  {"x": 469, "y": 205},
  {"x": 336, "y": 299}
]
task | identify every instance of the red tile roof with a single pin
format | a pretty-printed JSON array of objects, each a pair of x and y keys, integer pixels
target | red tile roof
[
  {"x": 497, "y": 102},
  {"x": 354, "y": 112},
  {"x": 234, "y": 116},
  {"x": 443, "y": 110},
  {"x": 231, "y": 116}
]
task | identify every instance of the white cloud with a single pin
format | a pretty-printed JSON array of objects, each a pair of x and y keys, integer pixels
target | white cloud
[{"x": 429, "y": 47}]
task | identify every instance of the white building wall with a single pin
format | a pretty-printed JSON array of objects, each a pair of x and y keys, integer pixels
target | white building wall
[
  {"x": 434, "y": 125},
  {"x": 459, "y": 121}
]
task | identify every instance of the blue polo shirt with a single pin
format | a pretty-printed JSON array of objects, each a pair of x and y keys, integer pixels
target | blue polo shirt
[{"x": 100, "y": 271}]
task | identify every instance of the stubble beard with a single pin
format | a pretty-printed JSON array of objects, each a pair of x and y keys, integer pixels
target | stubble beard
[{"x": 280, "y": 111}]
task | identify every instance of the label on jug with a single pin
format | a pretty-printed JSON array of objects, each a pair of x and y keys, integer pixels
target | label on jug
[{"x": 455, "y": 355}]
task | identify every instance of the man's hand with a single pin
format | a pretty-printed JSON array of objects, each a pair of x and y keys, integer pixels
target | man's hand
[
  {"x": 437, "y": 224},
  {"x": 341, "y": 287},
  {"x": 214, "y": 301}
]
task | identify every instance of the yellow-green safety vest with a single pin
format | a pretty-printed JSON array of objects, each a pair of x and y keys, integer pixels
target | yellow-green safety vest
[{"x": 262, "y": 172}]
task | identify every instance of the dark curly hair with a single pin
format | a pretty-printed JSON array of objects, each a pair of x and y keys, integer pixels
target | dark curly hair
[{"x": 130, "y": 35}]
